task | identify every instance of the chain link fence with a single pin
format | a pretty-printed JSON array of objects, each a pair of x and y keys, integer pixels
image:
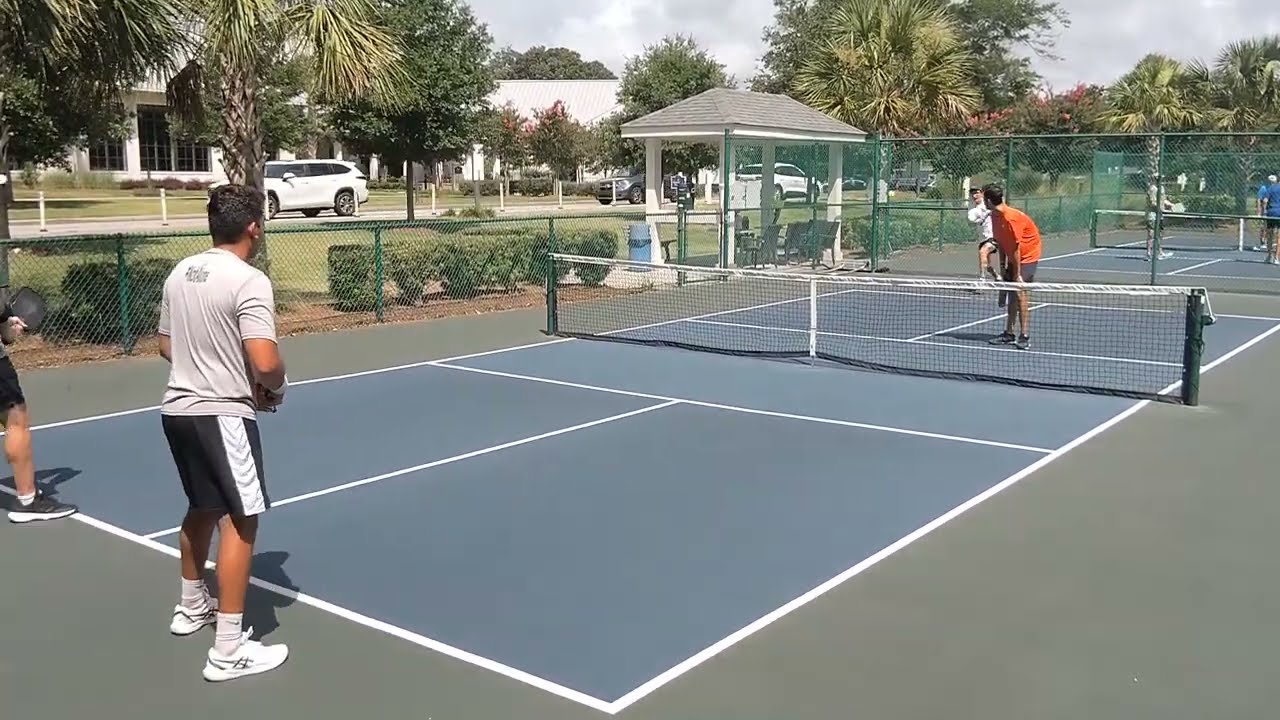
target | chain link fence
[
  {"x": 104, "y": 291},
  {"x": 1100, "y": 202},
  {"x": 1129, "y": 209}
]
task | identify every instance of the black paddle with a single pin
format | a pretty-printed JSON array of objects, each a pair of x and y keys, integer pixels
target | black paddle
[{"x": 28, "y": 305}]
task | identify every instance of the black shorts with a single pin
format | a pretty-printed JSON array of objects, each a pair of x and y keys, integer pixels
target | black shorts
[
  {"x": 984, "y": 243},
  {"x": 10, "y": 389},
  {"x": 1028, "y": 272},
  {"x": 1273, "y": 223},
  {"x": 219, "y": 460}
]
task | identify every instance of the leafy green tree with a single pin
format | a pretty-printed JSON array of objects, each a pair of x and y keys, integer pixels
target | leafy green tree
[
  {"x": 63, "y": 67},
  {"x": 896, "y": 67},
  {"x": 998, "y": 34},
  {"x": 665, "y": 73},
  {"x": 506, "y": 135},
  {"x": 1073, "y": 112},
  {"x": 557, "y": 141},
  {"x": 441, "y": 113},
  {"x": 543, "y": 63}
]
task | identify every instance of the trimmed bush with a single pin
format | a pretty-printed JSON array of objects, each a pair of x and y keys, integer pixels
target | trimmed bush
[
  {"x": 90, "y": 308},
  {"x": 352, "y": 280},
  {"x": 601, "y": 243}
]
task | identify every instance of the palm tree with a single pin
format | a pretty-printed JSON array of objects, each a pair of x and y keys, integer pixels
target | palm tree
[
  {"x": 898, "y": 67},
  {"x": 349, "y": 51},
  {"x": 80, "y": 52},
  {"x": 1242, "y": 92},
  {"x": 1156, "y": 96}
]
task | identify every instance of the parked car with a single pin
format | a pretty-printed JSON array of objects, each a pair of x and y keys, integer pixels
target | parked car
[
  {"x": 312, "y": 186},
  {"x": 789, "y": 181},
  {"x": 629, "y": 188}
]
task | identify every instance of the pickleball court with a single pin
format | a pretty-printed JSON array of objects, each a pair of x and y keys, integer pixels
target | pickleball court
[{"x": 597, "y": 519}]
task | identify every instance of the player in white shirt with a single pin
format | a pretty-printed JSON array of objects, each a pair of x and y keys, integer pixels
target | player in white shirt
[{"x": 980, "y": 216}]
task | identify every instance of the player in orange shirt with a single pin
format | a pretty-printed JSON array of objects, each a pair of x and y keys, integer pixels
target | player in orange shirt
[{"x": 1018, "y": 239}]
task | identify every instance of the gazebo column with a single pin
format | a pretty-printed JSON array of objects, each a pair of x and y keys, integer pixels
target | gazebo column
[
  {"x": 835, "y": 181},
  {"x": 725, "y": 173},
  {"x": 652, "y": 175},
  {"x": 767, "y": 155}
]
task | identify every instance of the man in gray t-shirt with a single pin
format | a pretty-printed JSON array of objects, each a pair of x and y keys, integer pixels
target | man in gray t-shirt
[{"x": 217, "y": 330}]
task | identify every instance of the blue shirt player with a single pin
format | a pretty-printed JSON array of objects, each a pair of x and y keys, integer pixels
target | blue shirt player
[
  {"x": 1271, "y": 210},
  {"x": 1264, "y": 234}
]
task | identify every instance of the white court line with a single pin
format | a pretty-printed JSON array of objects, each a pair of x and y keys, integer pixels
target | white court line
[
  {"x": 444, "y": 461},
  {"x": 364, "y": 620},
  {"x": 1194, "y": 267},
  {"x": 953, "y": 346},
  {"x": 983, "y": 321},
  {"x": 312, "y": 381},
  {"x": 764, "y": 621},
  {"x": 1089, "y": 252},
  {"x": 749, "y": 411}
]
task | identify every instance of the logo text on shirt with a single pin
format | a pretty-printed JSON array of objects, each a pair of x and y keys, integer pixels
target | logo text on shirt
[{"x": 197, "y": 273}]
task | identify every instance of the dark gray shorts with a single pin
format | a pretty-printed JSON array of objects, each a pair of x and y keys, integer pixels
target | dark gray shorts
[{"x": 1028, "y": 272}]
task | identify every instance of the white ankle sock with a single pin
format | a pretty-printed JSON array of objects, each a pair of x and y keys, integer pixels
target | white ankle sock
[
  {"x": 195, "y": 596},
  {"x": 25, "y": 500},
  {"x": 226, "y": 638}
]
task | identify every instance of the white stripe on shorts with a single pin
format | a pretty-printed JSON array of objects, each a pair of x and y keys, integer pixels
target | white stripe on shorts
[{"x": 235, "y": 441}]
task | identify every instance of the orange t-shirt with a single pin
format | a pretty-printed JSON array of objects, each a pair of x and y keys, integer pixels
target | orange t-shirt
[{"x": 1015, "y": 231}]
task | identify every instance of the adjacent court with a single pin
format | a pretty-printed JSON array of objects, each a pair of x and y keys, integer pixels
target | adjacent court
[{"x": 599, "y": 518}]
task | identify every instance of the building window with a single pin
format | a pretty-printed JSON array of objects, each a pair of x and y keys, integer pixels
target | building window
[
  {"x": 107, "y": 156},
  {"x": 192, "y": 158},
  {"x": 153, "y": 140},
  {"x": 161, "y": 152}
]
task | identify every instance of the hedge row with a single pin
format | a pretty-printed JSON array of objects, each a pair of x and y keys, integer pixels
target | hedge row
[
  {"x": 88, "y": 308},
  {"x": 530, "y": 187},
  {"x": 464, "y": 265}
]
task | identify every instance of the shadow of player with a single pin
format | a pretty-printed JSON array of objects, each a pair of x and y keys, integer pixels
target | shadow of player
[
  {"x": 46, "y": 480},
  {"x": 261, "y": 605}
]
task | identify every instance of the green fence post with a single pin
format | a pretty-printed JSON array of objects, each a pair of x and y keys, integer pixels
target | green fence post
[
  {"x": 1058, "y": 228},
  {"x": 875, "y": 202},
  {"x": 1159, "y": 210},
  {"x": 122, "y": 296},
  {"x": 813, "y": 235},
  {"x": 553, "y": 324},
  {"x": 1008, "y": 169},
  {"x": 1193, "y": 348},
  {"x": 726, "y": 161},
  {"x": 682, "y": 239},
  {"x": 942, "y": 219},
  {"x": 378, "y": 282}
]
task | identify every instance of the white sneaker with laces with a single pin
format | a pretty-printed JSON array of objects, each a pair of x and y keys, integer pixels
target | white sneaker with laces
[
  {"x": 185, "y": 622},
  {"x": 251, "y": 658}
]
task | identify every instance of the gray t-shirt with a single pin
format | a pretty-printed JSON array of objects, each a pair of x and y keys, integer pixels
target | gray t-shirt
[{"x": 212, "y": 302}]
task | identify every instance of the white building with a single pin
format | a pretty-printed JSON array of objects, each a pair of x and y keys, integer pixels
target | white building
[{"x": 151, "y": 151}]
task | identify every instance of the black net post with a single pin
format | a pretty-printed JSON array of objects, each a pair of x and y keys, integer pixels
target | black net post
[
  {"x": 1193, "y": 348},
  {"x": 553, "y": 271}
]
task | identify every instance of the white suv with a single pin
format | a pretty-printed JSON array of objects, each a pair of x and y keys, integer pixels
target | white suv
[
  {"x": 789, "y": 181},
  {"x": 314, "y": 185}
]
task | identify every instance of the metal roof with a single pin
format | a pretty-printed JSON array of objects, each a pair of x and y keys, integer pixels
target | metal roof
[
  {"x": 587, "y": 101},
  {"x": 743, "y": 113}
]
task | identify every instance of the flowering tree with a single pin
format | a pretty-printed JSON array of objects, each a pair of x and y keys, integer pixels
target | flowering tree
[
  {"x": 507, "y": 134},
  {"x": 557, "y": 141}
]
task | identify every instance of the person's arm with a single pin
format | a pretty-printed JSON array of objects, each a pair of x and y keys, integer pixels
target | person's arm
[
  {"x": 166, "y": 348},
  {"x": 257, "y": 317}
]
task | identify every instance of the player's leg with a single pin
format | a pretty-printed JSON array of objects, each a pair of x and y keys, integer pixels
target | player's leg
[
  {"x": 196, "y": 608},
  {"x": 235, "y": 445},
  {"x": 32, "y": 505},
  {"x": 1024, "y": 307},
  {"x": 1011, "y": 309},
  {"x": 1272, "y": 224}
]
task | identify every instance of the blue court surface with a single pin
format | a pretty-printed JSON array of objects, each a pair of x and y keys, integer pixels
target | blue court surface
[
  {"x": 1186, "y": 267},
  {"x": 593, "y": 518}
]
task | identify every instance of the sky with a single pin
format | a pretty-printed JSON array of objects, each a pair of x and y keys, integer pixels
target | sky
[{"x": 1105, "y": 37}]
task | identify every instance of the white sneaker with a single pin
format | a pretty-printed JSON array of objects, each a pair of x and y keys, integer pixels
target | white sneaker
[
  {"x": 185, "y": 622},
  {"x": 251, "y": 658}
]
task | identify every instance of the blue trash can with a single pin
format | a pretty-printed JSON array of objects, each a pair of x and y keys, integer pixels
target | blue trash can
[{"x": 639, "y": 243}]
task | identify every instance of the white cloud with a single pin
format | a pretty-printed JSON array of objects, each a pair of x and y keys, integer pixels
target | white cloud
[{"x": 1106, "y": 37}]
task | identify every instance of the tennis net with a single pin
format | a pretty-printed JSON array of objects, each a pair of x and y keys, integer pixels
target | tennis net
[
  {"x": 1140, "y": 341},
  {"x": 1178, "y": 231}
]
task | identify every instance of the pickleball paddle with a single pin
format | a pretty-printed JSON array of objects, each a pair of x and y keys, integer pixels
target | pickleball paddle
[{"x": 28, "y": 305}]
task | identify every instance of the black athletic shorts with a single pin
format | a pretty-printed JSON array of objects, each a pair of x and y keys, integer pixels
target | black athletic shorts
[
  {"x": 10, "y": 389},
  {"x": 219, "y": 460},
  {"x": 1028, "y": 271},
  {"x": 987, "y": 241},
  {"x": 1273, "y": 222}
]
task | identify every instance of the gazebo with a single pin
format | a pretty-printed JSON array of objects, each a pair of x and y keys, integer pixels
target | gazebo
[{"x": 728, "y": 119}]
